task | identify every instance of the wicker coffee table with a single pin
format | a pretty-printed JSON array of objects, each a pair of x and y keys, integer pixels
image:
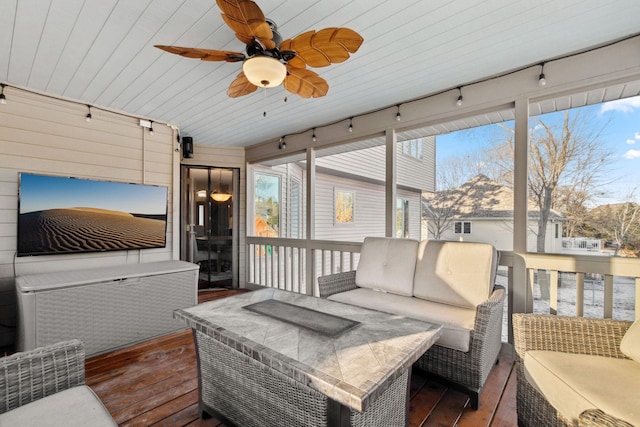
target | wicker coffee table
[{"x": 272, "y": 357}]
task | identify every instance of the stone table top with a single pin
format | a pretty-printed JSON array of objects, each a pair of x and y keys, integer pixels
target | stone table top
[{"x": 352, "y": 368}]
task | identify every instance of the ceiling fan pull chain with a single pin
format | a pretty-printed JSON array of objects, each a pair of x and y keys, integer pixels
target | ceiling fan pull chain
[{"x": 264, "y": 102}]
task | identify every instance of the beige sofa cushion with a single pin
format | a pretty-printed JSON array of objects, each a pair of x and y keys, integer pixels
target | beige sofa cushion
[
  {"x": 630, "y": 344},
  {"x": 457, "y": 322},
  {"x": 387, "y": 264},
  {"x": 456, "y": 273},
  {"x": 75, "y": 407},
  {"x": 573, "y": 383}
]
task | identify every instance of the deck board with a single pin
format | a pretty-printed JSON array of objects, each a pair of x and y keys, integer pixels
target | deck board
[{"x": 154, "y": 383}]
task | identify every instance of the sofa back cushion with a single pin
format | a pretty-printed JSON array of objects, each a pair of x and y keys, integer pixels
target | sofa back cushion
[
  {"x": 630, "y": 344},
  {"x": 455, "y": 273},
  {"x": 387, "y": 264}
]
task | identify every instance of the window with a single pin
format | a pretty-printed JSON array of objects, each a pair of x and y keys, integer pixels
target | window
[
  {"x": 267, "y": 205},
  {"x": 462, "y": 227},
  {"x": 343, "y": 207},
  {"x": 413, "y": 148},
  {"x": 402, "y": 218}
]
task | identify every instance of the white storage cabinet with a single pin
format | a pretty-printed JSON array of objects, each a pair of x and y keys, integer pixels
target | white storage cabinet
[{"x": 107, "y": 307}]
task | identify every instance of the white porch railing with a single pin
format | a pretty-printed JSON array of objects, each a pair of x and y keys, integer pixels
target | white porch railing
[
  {"x": 283, "y": 263},
  {"x": 556, "y": 283},
  {"x": 581, "y": 244}
]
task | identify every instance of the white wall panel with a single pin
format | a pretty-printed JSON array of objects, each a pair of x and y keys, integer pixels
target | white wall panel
[{"x": 48, "y": 136}]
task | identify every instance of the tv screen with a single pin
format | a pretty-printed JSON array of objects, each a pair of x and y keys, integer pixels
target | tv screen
[{"x": 61, "y": 215}]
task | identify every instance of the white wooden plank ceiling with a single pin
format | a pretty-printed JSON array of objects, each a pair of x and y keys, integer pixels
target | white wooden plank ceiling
[{"x": 100, "y": 52}]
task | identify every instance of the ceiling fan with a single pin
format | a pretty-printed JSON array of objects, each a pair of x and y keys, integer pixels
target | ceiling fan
[{"x": 268, "y": 60}]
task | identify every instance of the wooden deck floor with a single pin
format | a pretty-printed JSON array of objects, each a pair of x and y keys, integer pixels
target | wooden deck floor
[{"x": 155, "y": 384}]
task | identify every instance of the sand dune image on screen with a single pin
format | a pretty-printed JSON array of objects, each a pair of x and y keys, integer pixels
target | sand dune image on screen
[{"x": 88, "y": 229}]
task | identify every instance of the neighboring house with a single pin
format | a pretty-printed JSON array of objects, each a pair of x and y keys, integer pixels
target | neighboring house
[
  {"x": 481, "y": 210},
  {"x": 350, "y": 190}
]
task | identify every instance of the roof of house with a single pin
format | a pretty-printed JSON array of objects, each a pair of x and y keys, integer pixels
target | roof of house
[{"x": 481, "y": 197}]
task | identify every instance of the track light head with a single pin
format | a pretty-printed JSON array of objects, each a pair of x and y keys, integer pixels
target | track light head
[
  {"x": 542, "y": 80},
  {"x": 3, "y": 98}
]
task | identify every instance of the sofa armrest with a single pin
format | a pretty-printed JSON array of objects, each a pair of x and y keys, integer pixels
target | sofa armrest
[
  {"x": 600, "y": 337},
  {"x": 336, "y": 283},
  {"x": 489, "y": 313},
  {"x": 32, "y": 375},
  {"x": 597, "y": 418},
  {"x": 486, "y": 336}
]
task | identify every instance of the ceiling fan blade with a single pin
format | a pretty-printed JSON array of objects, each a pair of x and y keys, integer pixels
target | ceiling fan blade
[
  {"x": 247, "y": 20},
  {"x": 204, "y": 54},
  {"x": 305, "y": 83},
  {"x": 241, "y": 86},
  {"x": 325, "y": 47}
]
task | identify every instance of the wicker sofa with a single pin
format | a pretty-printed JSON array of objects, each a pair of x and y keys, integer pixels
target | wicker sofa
[
  {"x": 577, "y": 371},
  {"x": 450, "y": 283},
  {"x": 45, "y": 387}
]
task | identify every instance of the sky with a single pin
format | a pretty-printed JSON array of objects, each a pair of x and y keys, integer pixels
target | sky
[
  {"x": 621, "y": 135},
  {"x": 40, "y": 192}
]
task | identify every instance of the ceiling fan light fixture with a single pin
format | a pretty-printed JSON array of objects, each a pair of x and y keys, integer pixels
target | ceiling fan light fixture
[
  {"x": 264, "y": 71},
  {"x": 220, "y": 197}
]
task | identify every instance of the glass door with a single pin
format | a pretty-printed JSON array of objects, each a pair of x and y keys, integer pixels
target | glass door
[{"x": 211, "y": 237}]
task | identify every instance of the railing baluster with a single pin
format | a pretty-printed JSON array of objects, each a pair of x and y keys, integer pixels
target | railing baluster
[
  {"x": 286, "y": 267},
  {"x": 531, "y": 279},
  {"x": 608, "y": 296},
  {"x": 580, "y": 294},
  {"x": 637, "y": 315},
  {"x": 333, "y": 262},
  {"x": 259, "y": 256},
  {"x": 323, "y": 268},
  {"x": 553, "y": 291}
]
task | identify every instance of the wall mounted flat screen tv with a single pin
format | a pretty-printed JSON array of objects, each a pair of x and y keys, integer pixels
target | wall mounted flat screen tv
[{"x": 61, "y": 215}]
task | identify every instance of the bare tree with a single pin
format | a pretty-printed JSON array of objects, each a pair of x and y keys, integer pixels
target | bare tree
[
  {"x": 438, "y": 210},
  {"x": 618, "y": 222},
  {"x": 573, "y": 204},
  {"x": 439, "y": 207},
  {"x": 568, "y": 156}
]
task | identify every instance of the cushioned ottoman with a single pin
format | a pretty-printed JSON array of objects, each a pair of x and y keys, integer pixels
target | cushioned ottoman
[{"x": 75, "y": 407}]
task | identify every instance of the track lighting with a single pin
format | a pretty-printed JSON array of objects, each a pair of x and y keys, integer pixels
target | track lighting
[
  {"x": 88, "y": 117},
  {"x": 459, "y": 101},
  {"x": 282, "y": 145},
  {"x": 350, "y": 124},
  {"x": 151, "y": 129},
  {"x": 313, "y": 135},
  {"x": 542, "y": 79},
  {"x": 3, "y": 99}
]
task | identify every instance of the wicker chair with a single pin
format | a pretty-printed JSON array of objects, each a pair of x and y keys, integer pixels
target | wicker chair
[
  {"x": 564, "y": 334},
  {"x": 45, "y": 387}
]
